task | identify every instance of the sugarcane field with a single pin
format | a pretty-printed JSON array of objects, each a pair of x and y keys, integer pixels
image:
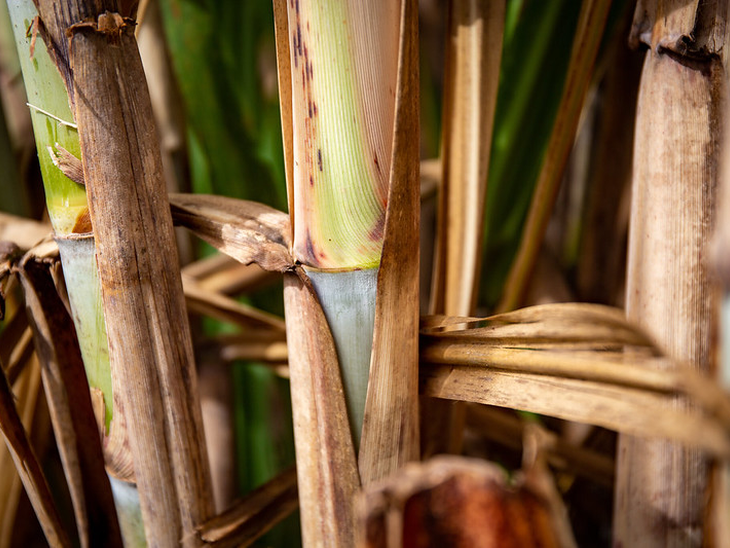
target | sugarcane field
[{"x": 369, "y": 274}]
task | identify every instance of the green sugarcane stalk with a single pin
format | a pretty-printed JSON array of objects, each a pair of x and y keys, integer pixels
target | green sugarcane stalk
[
  {"x": 343, "y": 62},
  {"x": 57, "y": 139},
  {"x": 55, "y": 130}
]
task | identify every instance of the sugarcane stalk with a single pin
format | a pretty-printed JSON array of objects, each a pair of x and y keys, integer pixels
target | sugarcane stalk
[
  {"x": 661, "y": 487},
  {"x": 142, "y": 296},
  {"x": 57, "y": 139},
  {"x": 338, "y": 78},
  {"x": 343, "y": 71}
]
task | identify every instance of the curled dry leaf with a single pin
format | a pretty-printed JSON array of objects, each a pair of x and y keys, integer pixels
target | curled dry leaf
[
  {"x": 22, "y": 232},
  {"x": 574, "y": 361},
  {"x": 247, "y": 231},
  {"x": 253, "y": 515},
  {"x": 67, "y": 393},
  {"x": 624, "y": 409},
  {"x": 452, "y": 501},
  {"x": 28, "y": 467},
  {"x": 221, "y": 307}
]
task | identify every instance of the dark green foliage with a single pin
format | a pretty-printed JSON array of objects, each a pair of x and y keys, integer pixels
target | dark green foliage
[{"x": 537, "y": 44}]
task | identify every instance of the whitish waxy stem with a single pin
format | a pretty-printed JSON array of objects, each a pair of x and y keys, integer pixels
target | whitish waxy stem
[
  {"x": 129, "y": 513},
  {"x": 343, "y": 60},
  {"x": 78, "y": 256},
  {"x": 348, "y": 301}
]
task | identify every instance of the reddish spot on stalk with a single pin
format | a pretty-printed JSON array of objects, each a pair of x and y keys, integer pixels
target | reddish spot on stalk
[
  {"x": 376, "y": 234},
  {"x": 319, "y": 158}
]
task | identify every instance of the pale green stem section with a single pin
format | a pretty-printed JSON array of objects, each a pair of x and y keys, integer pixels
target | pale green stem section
[
  {"x": 343, "y": 81},
  {"x": 78, "y": 256},
  {"x": 129, "y": 514},
  {"x": 348, "y": 301},
  {"x": 52, "y": 118},
  {"x": 53, "y": 125}
]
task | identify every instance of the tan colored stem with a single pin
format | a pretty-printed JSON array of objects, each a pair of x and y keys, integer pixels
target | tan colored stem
[
  {"x": 661, "y": 487},
  {"x": 149, "y": 338},
  {"x": 474, "y": 52}
]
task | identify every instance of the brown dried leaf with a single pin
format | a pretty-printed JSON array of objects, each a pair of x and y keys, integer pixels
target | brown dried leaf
[
  {"x": 562, "y": 324},
  {"x": 621, "y": 408},
  {"x": 247, "y": 231},
  {"x": 29, "y": 468},
  {"x": 254, "y": 515},
  {"x": 283, "y": 64},
  {"x": 452, "y": 501},
  {"x": 326, "y": 463},
  {"x": 474, "y": 51},
  {"x": 69, "y": 164},
  {"x": 224, "y": 308},
  {"x": 390, "y": 427},
  {"x": 67, "y": 393},
  {"x": 27, "y": 390}
]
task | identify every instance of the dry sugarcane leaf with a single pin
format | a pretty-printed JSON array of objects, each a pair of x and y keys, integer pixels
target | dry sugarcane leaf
[
  {"x": 15, "y": 344},
  {"x": 390, "y": 426},
  {"x": 571, "y": 340},
  {"x": 224, "y": 308},
  {"x": 221, "y": 273},
  {"x": 69, "y": 164},
  {"x": 473, "y": 55},
  {"x": 22, "y": 232},
  {"x": 587, "y": 39},
  {"x": 557, "y": 324},
  {"x": 326, "y": 464},
  {"x": 254, "y": 515},
  {"x": 597, "y": 366},
  {"x": 29, "y": 468},
  {"x": 149, "y": 339},
  {"x": 26, "y": 389},
  {"x": 67, "y": 393},
  {"x": 247, "y": 231},
  {"x": 474, "y": 51},
  {"x": 556, "y": 340},
  {"x": 283, "y": 65},
  {"x": 620, "y": 408},
  {"x": 452, "y": 501},
  {"x": 507, "y": 429}
]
